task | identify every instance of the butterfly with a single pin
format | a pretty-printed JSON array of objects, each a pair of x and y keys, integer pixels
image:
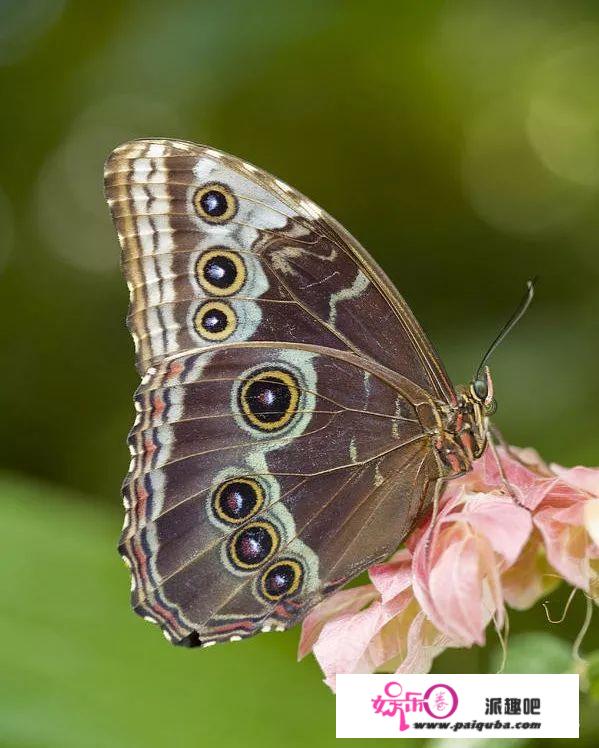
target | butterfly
[{"x": 293, "y": 421}]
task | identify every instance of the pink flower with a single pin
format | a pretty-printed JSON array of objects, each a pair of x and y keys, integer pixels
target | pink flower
[
  {"x": 487, "y": 547},
  {"x": 457, "y": 580},
  {"x": 373, "y": 626},
  {"x": 561, "y": 500}
]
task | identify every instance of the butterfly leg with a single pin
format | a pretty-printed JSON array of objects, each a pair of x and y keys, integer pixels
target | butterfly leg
[{"x": 439, "y": 485}]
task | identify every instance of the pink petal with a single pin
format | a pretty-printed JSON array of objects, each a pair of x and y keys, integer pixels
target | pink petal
[
  {"x": 506, "y": 525},
  {"x": 456, "y": 579},
  {"x": 424, "y": 643},
  {"x": 529, "y": 482},
  {"x": 584, "y": 478},
  {"x": 338, "y": 604},
  {"x": 426, "y": 549},
  {"x": 516, "y": 472},
  {"x": 591, "y": 520},
  {"x": 393, "y": 577},
  {"x": 343, "y": 641},
  {"x": 455, "y": 586},
  {"x": 566, "y": 541},
  {"x": 450, "y": 503},
  {"x": 389, "y": 646}
]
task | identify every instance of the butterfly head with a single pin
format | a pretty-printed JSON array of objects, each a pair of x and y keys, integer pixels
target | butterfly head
[
  {"x": 463, "y": 435},
  {"x": 481, "y": 391},
  {"x": 468, "y": 426},
  {"x": 475, "y": 404}
]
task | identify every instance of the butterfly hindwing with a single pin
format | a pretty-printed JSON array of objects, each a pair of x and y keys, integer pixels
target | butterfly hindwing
[{"x": 263, "y": 477}]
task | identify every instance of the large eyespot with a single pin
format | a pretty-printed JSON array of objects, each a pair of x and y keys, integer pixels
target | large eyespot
[
  {"x": 215, "y": 203},
  {"x": 268, "y": 399},
  {"x": 281, "y": 579},
  {"x": 253, "y": 544},
  {"x": 215, "y": 320},
  {"x": 220, "y": 271},
  {"x": 237, "y": 500}
]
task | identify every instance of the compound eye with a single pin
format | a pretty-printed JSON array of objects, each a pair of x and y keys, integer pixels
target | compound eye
[{"x": 480, "y": 389}]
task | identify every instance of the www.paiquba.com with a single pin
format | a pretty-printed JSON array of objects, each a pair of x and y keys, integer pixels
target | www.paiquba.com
[{"x": 476, "y": 725}]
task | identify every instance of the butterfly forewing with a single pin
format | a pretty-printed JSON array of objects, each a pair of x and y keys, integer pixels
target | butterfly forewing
[
  {"x": 279, "y": 447},
  {"x": 295, "y": 275}
]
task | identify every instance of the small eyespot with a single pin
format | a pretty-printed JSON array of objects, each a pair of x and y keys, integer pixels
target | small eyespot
[
  {"x": 269, "y": 399},
  {"x": 253, "y": 544},
  {"x": 215, "y": 203},
  {"x": 215, "y": 320},
  {"x": 220, "y": 271},
  {"x": 281, "y": 579},
  {"x": 238, "y": 499}
]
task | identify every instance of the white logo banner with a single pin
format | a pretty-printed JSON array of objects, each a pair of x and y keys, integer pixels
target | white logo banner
[{"x": 457, "y": 706}]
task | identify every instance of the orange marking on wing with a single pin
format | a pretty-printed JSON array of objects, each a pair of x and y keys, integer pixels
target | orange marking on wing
[
  {"x": 225, "y": 628},
  {"x": 142, "y": 497},
  {"x": 149, "y": 447},
  {"x": 281, "y": 611},
  {"x": 174, "y": 369}
]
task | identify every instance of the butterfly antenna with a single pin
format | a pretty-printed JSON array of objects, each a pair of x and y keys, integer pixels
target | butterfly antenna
[{"x": 510, "y": 324}]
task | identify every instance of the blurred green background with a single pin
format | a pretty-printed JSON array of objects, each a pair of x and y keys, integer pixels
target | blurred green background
[{"x": 475, "y": 126}]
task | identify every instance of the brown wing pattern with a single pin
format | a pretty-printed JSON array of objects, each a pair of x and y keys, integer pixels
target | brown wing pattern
[
  {"x": 277, "y": 450},
  {"x": 233, "y": 525},
  {"x": 305, "y": 279}
]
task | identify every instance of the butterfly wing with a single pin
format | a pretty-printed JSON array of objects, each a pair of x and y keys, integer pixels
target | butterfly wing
[
  {"x": 216, "y": 250},
  {"x": 264, "y": 477},
  {"x": 281, "y": 400}
]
